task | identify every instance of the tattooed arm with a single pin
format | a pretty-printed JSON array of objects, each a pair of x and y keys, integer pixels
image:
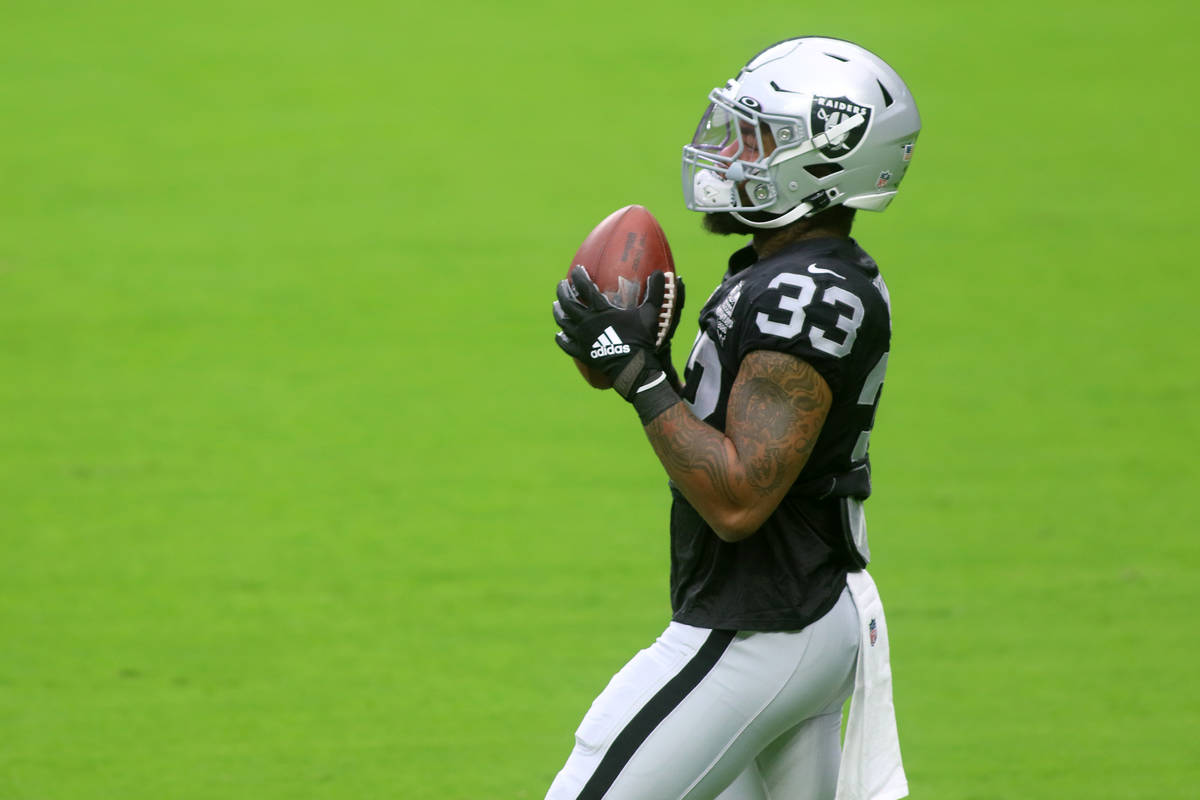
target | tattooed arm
[{"x": 736, "y": 479}]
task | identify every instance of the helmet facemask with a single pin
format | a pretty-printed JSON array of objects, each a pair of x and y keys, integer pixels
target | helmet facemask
[{"x": 727, "y": 164}]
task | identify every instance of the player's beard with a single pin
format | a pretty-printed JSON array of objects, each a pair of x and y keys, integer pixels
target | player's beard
[
  {"x": 723, "y": 223},
  {"x": 839, "y": 219}
]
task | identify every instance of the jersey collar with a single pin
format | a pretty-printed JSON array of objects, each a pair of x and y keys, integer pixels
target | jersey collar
[{"x": 747, "y": 257}]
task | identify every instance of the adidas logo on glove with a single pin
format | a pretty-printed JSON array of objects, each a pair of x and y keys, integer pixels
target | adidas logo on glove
[{"x": 608, "y": 344}]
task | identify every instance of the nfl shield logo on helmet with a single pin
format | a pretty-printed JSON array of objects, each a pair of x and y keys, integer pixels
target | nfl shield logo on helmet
[
  {"x": 884, "y": 177},
  {"x": 874, "y": 632},
  {"x": 828, "y": 113}
]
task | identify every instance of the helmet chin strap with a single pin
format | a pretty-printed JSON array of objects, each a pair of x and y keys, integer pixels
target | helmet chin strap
[{"x": 796, "y": 213}]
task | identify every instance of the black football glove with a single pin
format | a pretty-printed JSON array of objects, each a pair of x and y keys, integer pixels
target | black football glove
[{"x": 620, "y": 342}]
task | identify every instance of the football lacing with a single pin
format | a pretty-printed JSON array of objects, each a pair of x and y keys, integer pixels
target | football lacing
[{"x": 667, "y": 311}]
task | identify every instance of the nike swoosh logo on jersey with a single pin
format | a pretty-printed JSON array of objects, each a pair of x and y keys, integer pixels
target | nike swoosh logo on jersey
[{"x": 815, "y": 270}]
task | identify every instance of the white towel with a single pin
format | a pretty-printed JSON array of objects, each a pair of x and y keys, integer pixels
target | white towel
[{"x": 871, "y": 767}]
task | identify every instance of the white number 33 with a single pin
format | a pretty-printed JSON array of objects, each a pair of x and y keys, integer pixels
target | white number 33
[{"x": 833, "y": 296}]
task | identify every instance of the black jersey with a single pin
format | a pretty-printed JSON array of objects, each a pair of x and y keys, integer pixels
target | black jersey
[{"x": 824, "y": 301}]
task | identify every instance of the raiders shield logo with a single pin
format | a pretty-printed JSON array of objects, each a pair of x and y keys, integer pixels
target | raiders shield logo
[{"x": 828, "y": 113}]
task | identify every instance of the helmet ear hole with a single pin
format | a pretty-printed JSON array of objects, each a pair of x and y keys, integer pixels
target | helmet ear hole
[{"x": 822, "y": 170}]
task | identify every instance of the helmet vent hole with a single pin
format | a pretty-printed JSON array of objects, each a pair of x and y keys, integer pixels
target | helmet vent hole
[
  {"x": 887, "y": 97},
  {"x": 837, "y": 58},
  {"x": 822, "y": 170},
  {"x": 779, "y": 88}
]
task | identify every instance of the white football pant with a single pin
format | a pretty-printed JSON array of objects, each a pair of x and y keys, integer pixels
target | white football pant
[{"x": 705, "y": 714}]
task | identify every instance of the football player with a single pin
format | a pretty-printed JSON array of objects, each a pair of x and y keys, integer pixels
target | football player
[{"x": 776, "y": 622}]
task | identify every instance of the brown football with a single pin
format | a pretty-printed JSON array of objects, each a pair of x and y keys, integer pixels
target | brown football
[{"x": 619, "y": 255}]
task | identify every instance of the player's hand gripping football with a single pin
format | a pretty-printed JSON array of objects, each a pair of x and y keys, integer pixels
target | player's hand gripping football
[{"x": 623, "y": 343}]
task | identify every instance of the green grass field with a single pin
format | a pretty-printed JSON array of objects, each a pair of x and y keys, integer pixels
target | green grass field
[{"x": 299, "y": 500}]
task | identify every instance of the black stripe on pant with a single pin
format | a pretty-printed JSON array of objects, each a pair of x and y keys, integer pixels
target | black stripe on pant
[{"x": 655, "y": 711}]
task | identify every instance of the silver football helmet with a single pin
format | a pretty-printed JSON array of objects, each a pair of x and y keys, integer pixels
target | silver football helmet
[{"x": 809, "y": 123}]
